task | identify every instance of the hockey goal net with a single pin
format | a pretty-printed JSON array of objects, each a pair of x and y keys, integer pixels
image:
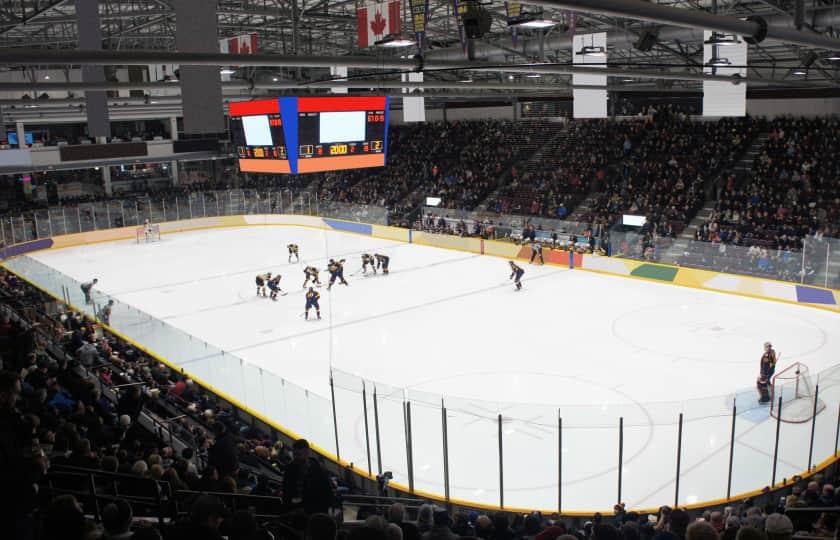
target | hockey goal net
[
  {"x": 794, "y": 385},
  {"x": 150, "y": 235}
]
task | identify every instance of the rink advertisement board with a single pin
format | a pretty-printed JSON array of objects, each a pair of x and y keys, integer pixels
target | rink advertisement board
[{"x": 294, "y": 135}]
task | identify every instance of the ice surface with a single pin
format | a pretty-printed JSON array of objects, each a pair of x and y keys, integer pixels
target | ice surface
[{"x": 449, "y": 324}]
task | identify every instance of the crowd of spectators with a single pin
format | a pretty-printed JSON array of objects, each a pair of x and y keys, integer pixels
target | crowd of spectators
[
  {"x": 663, "y": 175},
  {"x": 574, "y": 163},
  {"x": 459, "y": 162},
  {"x": 791, "y": 191}
]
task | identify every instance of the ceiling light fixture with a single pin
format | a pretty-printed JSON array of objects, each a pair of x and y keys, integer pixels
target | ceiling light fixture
[
  {"x": 533, "y": 23},
  {"x": 723, "y": 40},
  {"x": 227, "y": 71},
  {"x": 592, "y": 50},
  {"x": 717, "y": 61},
  {"x": 533, "y": 75},
  {"x": 394, "y": 41}
]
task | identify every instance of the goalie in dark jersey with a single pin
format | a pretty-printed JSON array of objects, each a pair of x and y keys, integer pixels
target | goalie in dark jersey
[
  {"x": 516, "y": 275},
  {"x": 336, "y": 270},
  {"x": 368, "y": 259},
  {"x": 312, "y": 297},
  {"x": 261, "y": 280},
  {"x": 311, "y": 273},
  {"x": 293, "y": 252},
  {"x": 274, "y": 286},
  {"x": 382, "y": 262}
]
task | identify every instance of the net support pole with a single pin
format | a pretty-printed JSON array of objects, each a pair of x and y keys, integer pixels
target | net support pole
[
  {"x": 367, "y": 428},
  {"x": 408, "y": 452},
  {"x": 731, "y": 449},
  {"x": 679, "y": 462},
  {"x": 376, "y": 431},
  {"x": 501, "y": 466},
  {"x": 559, "y": 462},
  {"x": 444, "y": 426},
  {"x": 335, "y": 418},
  {"x": 813, "y": 426},
  {"x": 620, "y": 455},
  {"x": 776, "y": 444}
]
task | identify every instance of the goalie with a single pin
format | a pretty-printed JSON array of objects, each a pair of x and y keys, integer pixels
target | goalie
[{"x": 767, "y": 367}]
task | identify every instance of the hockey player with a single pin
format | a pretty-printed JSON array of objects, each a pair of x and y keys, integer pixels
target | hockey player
[
  {"x": 312, "y": 297},
  {"x": 261, "y": 280},
  {"x": 367, "y": 259},
  {"x": 382, "y": 262},
  {"x": 311, "y": 273},
  {"x": 274, "y": 286},
  {"x": 536, "y": 251},
  {"x": 516, "y": 274},
  {"x": 768, "y": 361},
  {"x": 87, "y": 287},
  {"x": 336, "y": 270},
  {"x": 105, "y": 313},
  {"x": 293, "y": 252}
]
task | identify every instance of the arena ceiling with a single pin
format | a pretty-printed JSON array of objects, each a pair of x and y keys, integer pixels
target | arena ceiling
[{"x": 326, "y": 29}]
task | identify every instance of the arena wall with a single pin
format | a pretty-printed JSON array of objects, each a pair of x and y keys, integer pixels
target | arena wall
[{"x": 766, "y": 289}]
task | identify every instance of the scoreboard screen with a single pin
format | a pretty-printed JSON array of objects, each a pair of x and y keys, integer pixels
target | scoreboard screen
[
  {"x": 257, "y": 129},
  {"x": 310, "y": 134}
]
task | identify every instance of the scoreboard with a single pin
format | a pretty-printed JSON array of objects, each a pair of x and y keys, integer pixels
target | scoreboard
[{"x": 310, "y": 134}]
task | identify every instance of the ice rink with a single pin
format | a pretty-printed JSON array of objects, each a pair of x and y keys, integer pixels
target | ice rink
[{"x": 448, "y": 327}]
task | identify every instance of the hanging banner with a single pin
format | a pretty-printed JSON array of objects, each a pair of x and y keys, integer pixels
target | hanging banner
[
  {"x": 514, "y": 12},
  {"x": 377, "y": 20},
  {"x": 419, "y": 17},
  {"x": 241, "y": 44},
  {"x": 459, "y": 8},
  {"x": 722, "y": 98}
]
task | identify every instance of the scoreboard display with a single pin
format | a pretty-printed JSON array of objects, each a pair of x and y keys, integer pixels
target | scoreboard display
[{"x": 310, "y": 134}]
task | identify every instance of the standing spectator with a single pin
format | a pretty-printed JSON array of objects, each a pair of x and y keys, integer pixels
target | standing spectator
[
  {"x": 15, "y": 467},
  {"x": 87, "y": 287},
  {"x": 104, "y": 314},
  {"x": 223, "y": 454},
  {"x": 131, "y": 403},
  {"x": 88, "y": 354},
  {"x": 306, "y": 485}
]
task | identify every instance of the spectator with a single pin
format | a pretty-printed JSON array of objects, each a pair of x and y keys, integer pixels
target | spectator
[
  {"x": 116, "y": 520},
  {"x": 425, "y": 518},
  {"x": 206, "y": 516},
  {"x": 778, "y": 527},
  {"x": 396, "y": 515},
  {"x": 440, "y": 528},
  {"x": 306, "y": 486},
  {"x": 750, "y": 533},
  {"x": 320, "y": 527},
  {"x": 701, "y": 530},
  {"x": 731, "y": 530},
  {"x": 64, "y": 520},
  {"x": 223, "y": 454}
]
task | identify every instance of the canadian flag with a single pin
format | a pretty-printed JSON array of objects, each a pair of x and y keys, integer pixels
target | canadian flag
[
  {"x": 244, "y": 44},
  {"x": 376, "y": 20}
]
